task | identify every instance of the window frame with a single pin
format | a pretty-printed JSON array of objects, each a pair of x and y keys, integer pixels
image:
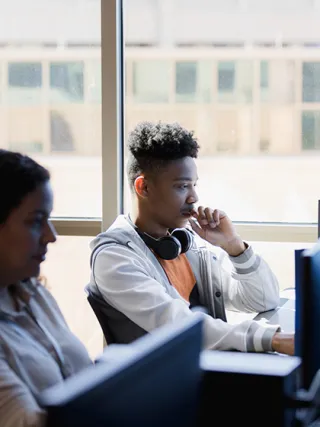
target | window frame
[{"x": 112, "y": 48}]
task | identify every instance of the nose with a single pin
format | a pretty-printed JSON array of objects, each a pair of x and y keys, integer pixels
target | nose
[
  {"x": 192, "y": 197},
  {"x": 50, "y": 234}
]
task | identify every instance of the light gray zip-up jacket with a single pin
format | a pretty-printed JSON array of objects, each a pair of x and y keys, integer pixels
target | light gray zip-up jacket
[{"x": 139, "y": 298}]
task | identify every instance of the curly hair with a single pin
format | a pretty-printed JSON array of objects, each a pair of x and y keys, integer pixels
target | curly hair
[
  {"x": 19, "y": 176},
  {"x": 154, "y": 145}
]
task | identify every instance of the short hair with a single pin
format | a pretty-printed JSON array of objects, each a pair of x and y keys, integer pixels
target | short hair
[
  {"x": 19, "y": 176},
  {"x": 155, "y": 145}
]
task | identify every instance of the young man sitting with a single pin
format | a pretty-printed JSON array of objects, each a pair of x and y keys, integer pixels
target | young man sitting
[{"x": 154, "y": 266}]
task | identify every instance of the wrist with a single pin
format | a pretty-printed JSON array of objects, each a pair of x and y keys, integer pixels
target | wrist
[
  {"x": 276, "y": 342},
  {"x": 234, "y": 247}
]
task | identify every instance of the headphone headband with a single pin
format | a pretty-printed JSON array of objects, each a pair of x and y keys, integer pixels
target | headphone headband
[{"x": 171, "y": 246}]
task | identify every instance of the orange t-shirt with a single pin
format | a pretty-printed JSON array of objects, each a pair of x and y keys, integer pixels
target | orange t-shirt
[{"x": 180, "y": 274}]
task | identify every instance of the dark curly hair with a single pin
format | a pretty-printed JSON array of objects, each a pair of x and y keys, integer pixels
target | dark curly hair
[
  {"x": 19, "y": 176},
  {"x": 153, "y": 145}
]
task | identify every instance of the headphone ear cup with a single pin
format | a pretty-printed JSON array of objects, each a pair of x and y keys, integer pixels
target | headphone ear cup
[
  {"x": 168, "y": 248},
  {"x": 185, "y": 238}
]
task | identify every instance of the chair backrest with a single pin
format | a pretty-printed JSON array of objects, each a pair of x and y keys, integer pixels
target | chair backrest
[{"x": 96, "y": 303}]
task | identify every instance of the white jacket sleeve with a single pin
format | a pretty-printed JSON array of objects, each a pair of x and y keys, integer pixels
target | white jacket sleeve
[
  {"x": 18, "y": 407},
  {"x": 248, "y": 283},
  {"x": 123, "y": 280}
]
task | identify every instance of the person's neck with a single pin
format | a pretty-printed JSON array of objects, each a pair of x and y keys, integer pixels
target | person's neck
[
  {"x": 6, "y": 279},
  {"x": 148, "y": 225}
]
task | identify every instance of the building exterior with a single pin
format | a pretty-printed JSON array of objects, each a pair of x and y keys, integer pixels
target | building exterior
[{"x": 244, "y": 75}]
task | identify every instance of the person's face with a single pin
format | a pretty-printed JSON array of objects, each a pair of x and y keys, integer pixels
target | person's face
[
  {"x": 172, "y": 194},
  {"x": 25, "y": 235}
]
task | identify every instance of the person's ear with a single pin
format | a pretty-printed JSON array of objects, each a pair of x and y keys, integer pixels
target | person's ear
[{"x": 141, "y": 186}]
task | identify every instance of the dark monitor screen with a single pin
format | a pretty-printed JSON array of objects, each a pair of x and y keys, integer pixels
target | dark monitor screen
[
  {"x": 307, "y": 314},
  {"x": 156, "y": 386},
  {"x": 318, "y": 219}
]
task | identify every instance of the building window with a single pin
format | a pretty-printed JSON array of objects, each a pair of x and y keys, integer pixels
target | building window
[
  {"x": 311, "y": 82},
  {"x": 235, "y": 82},
  {"x": 186, "y": 81},
  {"x": 25, "y": 74},
  {"x": 151, "y": 81},
  {"x": 226, "y": 76},
  {"x": 277, "y": 81},
  {"x": 66, "y": 82},
  {"x": 264, "y": 74},
  {"x": 24, "y": 83},
  {"x": 311, "y": 130},
  {"x": 194, "y": 81}
]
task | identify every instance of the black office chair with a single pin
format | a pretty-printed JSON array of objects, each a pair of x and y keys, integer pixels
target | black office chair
[{"x": 96, "y": 303}]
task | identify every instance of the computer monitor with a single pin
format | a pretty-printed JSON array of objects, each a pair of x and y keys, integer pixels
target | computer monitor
[
  {"x": 318, "y": 219},
  {"x": 157, "y": 385},
  {"x": 307, "y": 313}
]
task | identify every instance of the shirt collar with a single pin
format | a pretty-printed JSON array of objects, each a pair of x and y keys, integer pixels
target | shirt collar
[{"x": 23, "y": 292}]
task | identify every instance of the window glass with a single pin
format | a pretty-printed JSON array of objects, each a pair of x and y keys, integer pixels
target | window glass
[
  {"x": 311, "y": 130},
  {"x": 94, "y": 81},
  {"x": 249, "y": 94},
  {"x": 66, "y": 82},
  {"x": 50, "y": 96},
  {"x": 277, "y": 81},
  {"x": 311, "y": 81},
  {"x": 66, "y": 272},
  {"x": 235, "y": 81},
  {"x": 186, "y": 81},
  {"x": 151, "y": 81},
  {"x": 24, "y": 83},
  {"x": 194, "y": 81}
]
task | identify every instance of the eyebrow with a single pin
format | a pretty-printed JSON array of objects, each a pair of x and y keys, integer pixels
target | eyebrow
[
  {"x": 38, "y": 211},
  {"x": 185, "y": 179}
]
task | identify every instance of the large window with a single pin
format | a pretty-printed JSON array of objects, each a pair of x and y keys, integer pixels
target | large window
[
  {"x": 258, "y": 120},
  {"x": 51, "y": 98}
]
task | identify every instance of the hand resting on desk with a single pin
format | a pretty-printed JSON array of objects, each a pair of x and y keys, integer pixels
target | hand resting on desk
[
  {"x": 283, "y": 316},
  {"x": 283, "y": 343}
]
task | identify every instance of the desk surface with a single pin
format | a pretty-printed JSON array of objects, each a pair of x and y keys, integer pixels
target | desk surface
[{"x": 284, "y": 315}]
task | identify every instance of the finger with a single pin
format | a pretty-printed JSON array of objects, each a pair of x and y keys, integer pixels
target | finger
[
  {"x": 202, "y": 218},
  {"x": 209, "y": 215},
  {"x": 194, "y": 213},
  {"x": 221, "y": 214},
  {"x": 216, "y": 216}
]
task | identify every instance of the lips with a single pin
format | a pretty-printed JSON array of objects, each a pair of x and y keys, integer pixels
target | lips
[
  {"x": 188, "y": 213},
  {"x": 40, "y": 257}
]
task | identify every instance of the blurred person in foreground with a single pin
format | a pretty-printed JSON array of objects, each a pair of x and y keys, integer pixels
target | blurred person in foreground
[{"x": 37, "y": 349}]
